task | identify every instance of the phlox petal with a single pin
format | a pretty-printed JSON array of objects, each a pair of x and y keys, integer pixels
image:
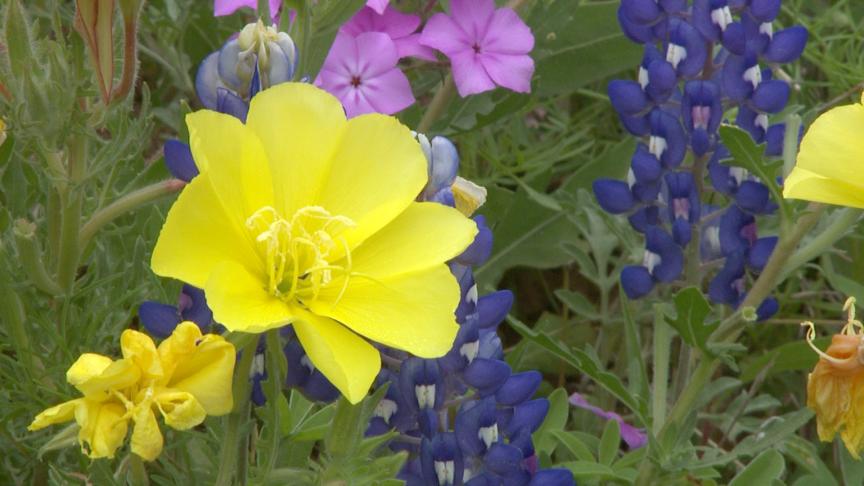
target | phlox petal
[
  {"x": 511, "y": 72},
  {"x": 508, "y": 34},
  {"x": 378, "y": 308},
  {"x": 347, "y": 360},
  {"x": 469, "y": 74},
  {"x": 443, "y": 33}
]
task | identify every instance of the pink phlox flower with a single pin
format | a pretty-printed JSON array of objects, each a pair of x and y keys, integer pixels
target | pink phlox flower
[
  {"x": 486, "y": 46},
  {"x": 228, "y": 7},
  {"x": 399, "y": 26},
  {"x": 361, "y": 71},
  {"x": 634, "y": 437},
  {"x": 378, "y": 5}
]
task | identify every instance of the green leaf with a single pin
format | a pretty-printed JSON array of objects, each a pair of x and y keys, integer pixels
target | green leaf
[
  {"x": 791, "y": 356},
  {"x": 571, "y": 35},
  {"x": 326, "y": 18},
  {"x": 18, "y": 40},
  {"x": 762, "y": 470},
  {"x": 350, "y": 422},
  {"x": 610, "y": 442},
  {"x": 573, "y": 444},
  {"x": 577, "y": 303},
  {"x": 584, "y": 470},
  {"x": 613, "y": 164},
  {"x": 747, "y": 155},
  {"x": 556, "y": 420},
  {"x": 691, "y": 309},
  {"x": 586, "y": 364},
  {"x": 852, "y": 469}
]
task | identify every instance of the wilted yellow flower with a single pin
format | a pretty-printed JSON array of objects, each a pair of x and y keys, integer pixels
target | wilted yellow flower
[
  {"x": 185, "y": 379},
  {"x": 835, "y": 388},
  {"x": 2, "y": 131},
  {"x": 831, "y": 159},
  {"x": 302, "y": 217}
]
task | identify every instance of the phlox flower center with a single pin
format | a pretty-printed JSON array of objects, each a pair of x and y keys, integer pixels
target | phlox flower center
[{"x": 299, "y": 253}]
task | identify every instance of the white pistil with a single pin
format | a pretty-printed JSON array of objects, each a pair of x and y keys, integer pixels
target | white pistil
[
  {"x": 657, "y": 146},
  {"x": 445, "y": 471},
  {"x": 385, "y": 409},
  {"x": 761, "y": 121},
  {"x": 425, "y": 395},
  {"x": 675, "y": 54},
  {"x": 470, "y": 350},
  {"x": 721, "y": 17},
  {"x": 753, "y": 75},
  {"x": 767, "y": 28},
  {"x": 651, "y": 260},
  {"x": 489, "y": 435},
  {"x": 644, "y": 78}
]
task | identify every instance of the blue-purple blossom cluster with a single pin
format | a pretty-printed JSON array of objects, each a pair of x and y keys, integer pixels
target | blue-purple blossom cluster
[
  {"x": 466, "y": 418},
  {"x": 702, "y": 59}
]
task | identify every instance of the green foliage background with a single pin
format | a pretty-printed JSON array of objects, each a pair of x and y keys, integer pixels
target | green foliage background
[{"x": 537, "y": 154}]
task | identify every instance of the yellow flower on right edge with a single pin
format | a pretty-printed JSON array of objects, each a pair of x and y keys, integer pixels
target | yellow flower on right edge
[
  {"x": 830, "y": 165},
  {"x": 835, "y": 388}
]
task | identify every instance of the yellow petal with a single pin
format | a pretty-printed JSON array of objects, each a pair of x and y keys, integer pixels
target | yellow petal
[
  {"x": 178, "y": 346},
  {"x": 378, "y": 170},
  {"x": 198, "y": 234},
  {"x": 103, "y": 427},
  {"x": 412, "y": 311},
  {"x": 807, "y": 185},
  {"x": 55, "y": 415},
  {"x": 146, "y": 437},
  {"x": 833, "y": 146},
  {"x": 240, "y": 302},
  {"x": 425, "y": 235},
  {"x": 86, "y": 367},
  {"x": 348, "y": 361},
  {"x": 853, "y": 432},
  {"x": 180, "y": 409},
  {"x": 207, "y": 373},
  {"x": 117, "y": 375},
  {"x": 139, "y": 348},
  {"x": 299, "y": 126},
  {"x": 232, "y": 156}
]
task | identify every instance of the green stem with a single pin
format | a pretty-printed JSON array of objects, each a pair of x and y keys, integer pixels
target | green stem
[
  {"x": 731, "y": 329},
  {"x": 231, "y": 441},
  {"x": 12, "y": 315},
  {"x": 70, "y": 221},
  {"x": 845, "y": 219},
  {"x": 30, "y": 255},
  {"x": 438, "y": 104},
  {"x": 276, "y": 371},
  {"x": 125, "y": 204},
  {"x": 130, "y": 53},
  {"x": 662, "y": 343}
]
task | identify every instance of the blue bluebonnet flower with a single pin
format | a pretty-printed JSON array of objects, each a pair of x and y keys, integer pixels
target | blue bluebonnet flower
[
  {"x": 465, "y": 418},
  {"x": 257, "y": 58},
  {"x": 700, "y": 59}
]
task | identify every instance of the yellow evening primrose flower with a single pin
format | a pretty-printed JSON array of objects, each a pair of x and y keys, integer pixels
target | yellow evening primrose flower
[
  {"x": 831, "y": 159},
  {"x": 302, "y": 217},
  {"x": 185, "y": 379},
  {"x": 835, "y": 388}
]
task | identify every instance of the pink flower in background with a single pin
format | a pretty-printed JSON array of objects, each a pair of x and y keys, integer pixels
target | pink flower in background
[
  {"x": 635, "y": 438},
  {"x": 486, "y": 46},
  {"x": 228, "y": 7},
  {"x": 361, "y": 71},
  {"x": 378, "y": 5},
  {"x": 399, "y": 26}
]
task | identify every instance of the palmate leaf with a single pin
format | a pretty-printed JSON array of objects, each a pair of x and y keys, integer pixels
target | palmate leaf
[{"x": 691, "y": 309}]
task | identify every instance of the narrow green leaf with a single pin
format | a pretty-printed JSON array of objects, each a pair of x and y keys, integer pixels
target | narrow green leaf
[
  {"x": 762, "y": 470},
  {"x": 577, "y": 303},
  {"x": 573, "y": 444},
  {"x": 610, "y": 442},
  {"x": 18, "y": 40},
  {"x": 556, "y": 419}
]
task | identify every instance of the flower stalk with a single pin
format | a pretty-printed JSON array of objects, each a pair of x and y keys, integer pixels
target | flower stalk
[
  {"x": 233, "y": 440},
  {"x": 30, "y": 255}
]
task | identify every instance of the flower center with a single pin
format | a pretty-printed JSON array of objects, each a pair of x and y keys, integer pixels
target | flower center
[
  {"x": 299, "y": 252},
  {"x": 476, "y": 48},
  {"x": 355, "y": 81}
]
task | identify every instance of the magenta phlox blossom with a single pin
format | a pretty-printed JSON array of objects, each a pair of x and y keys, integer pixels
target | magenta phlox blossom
[
  {"x": 634, "y": 437},
  {"x": 378, "y": 5},
  {"x": 361, "y": 71},
  {"x": 401, "y": 27},
  {"x": 487, "y": 47}
]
